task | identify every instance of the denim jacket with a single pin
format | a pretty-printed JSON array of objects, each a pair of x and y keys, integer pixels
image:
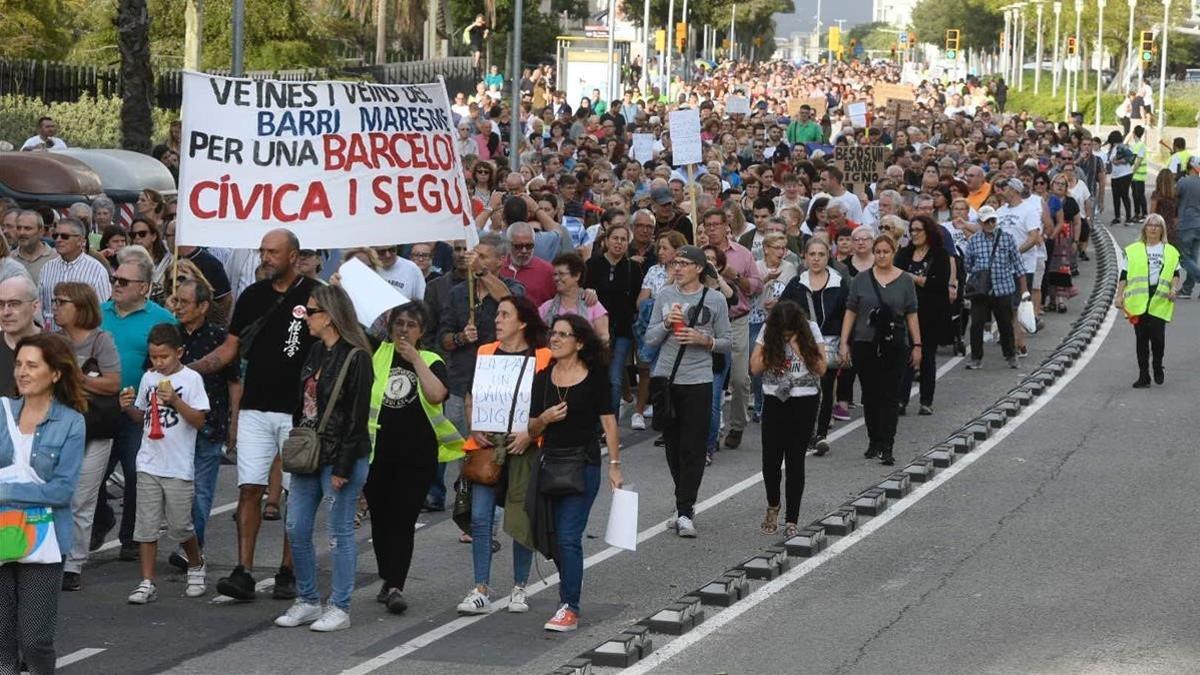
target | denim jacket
[{"x": 57, "y": 457}]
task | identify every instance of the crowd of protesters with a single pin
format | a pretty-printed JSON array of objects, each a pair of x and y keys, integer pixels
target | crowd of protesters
[{"x": 764, "y": 291}]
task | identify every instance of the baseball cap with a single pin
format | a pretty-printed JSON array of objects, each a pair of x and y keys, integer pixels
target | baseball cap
[
  {"x": 693, "y": 254},
  {"x": 986, "y": 213},
  {"x": 1016, "y": 184},
  {"x": 662, "y": 195},
  {"x": 1194, "y": 160}
]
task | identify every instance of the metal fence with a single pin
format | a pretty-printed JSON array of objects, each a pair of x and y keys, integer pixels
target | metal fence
[{"x": 53, "y": 82}]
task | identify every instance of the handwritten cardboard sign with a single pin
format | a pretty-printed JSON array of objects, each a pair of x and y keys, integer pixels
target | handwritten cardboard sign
[{"x": 493, "y": 389}]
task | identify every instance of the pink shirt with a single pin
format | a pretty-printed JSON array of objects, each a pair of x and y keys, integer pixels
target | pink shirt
[
  {"x": 741, "y": 260},
  {"x": 554, "y": 307}
]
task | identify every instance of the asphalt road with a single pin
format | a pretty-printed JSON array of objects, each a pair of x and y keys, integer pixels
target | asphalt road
[{"x": 1075, "y": 516}]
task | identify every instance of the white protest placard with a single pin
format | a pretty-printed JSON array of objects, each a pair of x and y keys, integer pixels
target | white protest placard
[
  {"x": 685, "y": 136},
  {"x": 371, "y": 294},
  {"x": 737, "y": 105},
  {"x": 858, "y": 113},
  {"x": 622, "y": 527},
  {"x": 643, "y": 147},
  {"x": 337, "y": 163},
  {"x": 493, "y": 389}
]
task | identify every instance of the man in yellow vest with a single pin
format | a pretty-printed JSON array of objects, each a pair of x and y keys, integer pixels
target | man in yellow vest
[
  {"x": 1140, "y": 171},
  {"x": 1146, "y": 291}
]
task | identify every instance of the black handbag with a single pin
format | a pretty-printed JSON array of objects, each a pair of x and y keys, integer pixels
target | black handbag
[
  {"x": 461, "y": 513},
  {"x": 888, "y": 324},
  {"x": 103, "y": 412},
  {"x": 560, "y": 472},
  {"x": 979, "y": 282},
  {"x": 660, "y": 387}
]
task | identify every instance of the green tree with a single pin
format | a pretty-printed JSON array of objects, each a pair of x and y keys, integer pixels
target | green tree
[
  {"x": 877, "y": 35},
  {"x": 978, "y": 21},
  {"x": 33, "y": 29}
]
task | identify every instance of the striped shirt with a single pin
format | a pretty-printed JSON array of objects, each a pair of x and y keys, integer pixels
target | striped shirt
[{"x": 84, "y": 269}]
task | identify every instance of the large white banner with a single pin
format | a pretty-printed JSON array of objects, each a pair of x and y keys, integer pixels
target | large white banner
[{"x": 338, "y": 163}]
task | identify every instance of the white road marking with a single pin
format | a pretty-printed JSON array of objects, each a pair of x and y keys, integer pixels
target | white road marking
[
  {"x": 77, "y": 656},
  {"x": 462, "y": 622},
  {"x": 724, "y": 617}
]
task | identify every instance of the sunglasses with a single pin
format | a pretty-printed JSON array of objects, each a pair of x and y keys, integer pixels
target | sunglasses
[
  {"x": 523, "y": 247},
  {"x": 312, "y": 311},
  {"x": 122, "y": 282},
  {"x": 63, "y": 235},
  {"x": 137, "y": 234},
  {"x": 562, "y": 335}
]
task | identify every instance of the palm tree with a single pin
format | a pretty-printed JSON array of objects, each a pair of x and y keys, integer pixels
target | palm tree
[
  {"x": 407, "y": 21},
  {"x": 137, "y": 77}
]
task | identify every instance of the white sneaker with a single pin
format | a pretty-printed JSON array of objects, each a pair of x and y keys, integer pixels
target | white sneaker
[
  {"x": 686, "y": 527},
  {"x": 298, "y": 614},
  {"x": 333, "y": 619},
  {"x": 475, "y": 603},
  {"x": 516, "y": 600},
  {"x": 649, "y": 412},
  {"x": 144, "y": 593},
  {"x": 637, "y": 422},
  {"x": 195, "y": 581}
]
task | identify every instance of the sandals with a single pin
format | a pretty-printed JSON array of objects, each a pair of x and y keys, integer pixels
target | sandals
[
  {"x": 770, "y": 523},
  {"x": 271, "y": 512},
  {"x": 790, "y": 530}
]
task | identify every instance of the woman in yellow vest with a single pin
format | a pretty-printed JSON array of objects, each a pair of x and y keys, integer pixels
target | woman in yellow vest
[
  {"x": 409, "y": 435},
  {"x": 1147, "y": 291},
  {"x": 520, "y": 331}
]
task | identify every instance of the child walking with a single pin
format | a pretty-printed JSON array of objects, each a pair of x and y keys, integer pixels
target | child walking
[{"x": 171, "y": 403}]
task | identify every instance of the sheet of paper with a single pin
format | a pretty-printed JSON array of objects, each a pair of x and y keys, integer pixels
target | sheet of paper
[
  {"x": 643, "y": 147},
  {"x": 623, "y": 520},
  {"x": 370, "y": 293},
  {"x": 685, "y": 136},
  {"x": 858, "y": 113},
  {"x": 735, "y": 105}
]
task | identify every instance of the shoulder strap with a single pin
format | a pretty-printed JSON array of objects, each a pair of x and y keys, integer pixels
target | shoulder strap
[
  {"x": 875, "y": 285},
  {"x": 337, "y": 390},
  {"x": 512, "y": 409},
  {"x": 691, "y": 322}
]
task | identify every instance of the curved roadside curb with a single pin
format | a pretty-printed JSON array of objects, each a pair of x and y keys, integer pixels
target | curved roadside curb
[{"x": 677, "y": 618}]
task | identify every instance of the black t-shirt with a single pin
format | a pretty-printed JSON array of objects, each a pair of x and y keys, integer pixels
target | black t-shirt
[
  {"x": 405, "y": 435},
  {"x": 617, "y": 287},
  {"x": 8, "y": 380},
  {"x": 278, "y": 352},
  {"x": 586, "y": 402},
  {"x": 476, "y": 35},
  {"x": 213, "y": 270}
]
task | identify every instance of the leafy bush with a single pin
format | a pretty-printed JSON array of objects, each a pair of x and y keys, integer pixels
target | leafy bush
[
  {"x": 86, "y": 123},
  {"x": 1181, "y": 110}
]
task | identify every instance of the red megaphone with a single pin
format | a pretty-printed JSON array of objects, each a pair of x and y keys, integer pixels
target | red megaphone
[{"x": 156, "y": 431}]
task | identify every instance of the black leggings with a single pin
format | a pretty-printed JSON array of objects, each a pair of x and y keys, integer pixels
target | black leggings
[
  {"x": 395, "y": 493},
  {"x": 1138, "y": 187},
  {"x": 880, "y": 376},
  {"x": 28, "y": 616},
  {"x": 1120, "y": 197},
  {"x": 1151, "y": 334},
  {"x": 825, "y": 414},
  {"x": 928, "y": 372},
  {"x": 786, "y": 428},
  {"x": 845, "y": 384}
]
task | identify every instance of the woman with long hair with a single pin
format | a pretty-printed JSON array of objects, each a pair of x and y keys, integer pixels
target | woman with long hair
[
  {"x": 816, "y": 220},
  {"x": 1060, "y": 245},
  {"x": 150, "y": 205},
  {"x": 1120, "y": 169},
  {"x": 569, "y": 272},
  {"x": 1165, "y": 202},
  {"x": 482, "y": 181},
  {"x": 927, "y": 263},
  {"x": 776, "y": 273},
  {"x": 1147, "y": 291},
  {"x": 345, "y": 444},
  {"x": 821, "y": 291},
  {"x": 570, "y": 399},
  {"x": 790, "y": 357},
  {"x": 77, "y": 315},
  {"x": 112, "y": 239},
  {"x": 617, "y": 281},
  {"x": 147, "y": 233},
  {"x": 411, "y": 435},
  {"x": 881, "y": 305},
  {"x": 520, "y": 331},
  {"x": 41, "y": 451}
]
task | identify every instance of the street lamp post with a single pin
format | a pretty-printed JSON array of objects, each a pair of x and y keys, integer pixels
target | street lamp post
[
  {"x": 1130, "y": 63},
  {"x": 1005, "y": 40},
  {"x": 1057, "y": 16},
  {"x": 516, "y": 123},
  {"x": 1078, "y": 59},
  {"x": 1037, "y": 72},
  {"x": 1021, "y": 49},
  {"x": 1162, "y": 68},
  {"x": 666, "y": 74},
  {"x": 1099, "y": 59},
  {"x": 646, "y": 39}
]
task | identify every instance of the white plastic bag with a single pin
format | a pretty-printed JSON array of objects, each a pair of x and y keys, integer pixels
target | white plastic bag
[
  {"x": 1026, "y": 317},
  {"x": 623, "y": 520}
]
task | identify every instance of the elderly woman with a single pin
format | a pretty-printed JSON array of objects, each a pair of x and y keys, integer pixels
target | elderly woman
[
  {"x": 42, "y": 449},
  {"x": 77, "y": 314},
  {"x": 104, "y": 213},
  {"x": 340, "y": 358},
  {"x": 569, "y": 297}
]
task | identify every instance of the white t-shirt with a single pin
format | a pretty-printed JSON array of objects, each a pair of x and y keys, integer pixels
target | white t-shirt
[
  {"x": 1080, "y": 193},
  {"x": 173, "y": 455},
  {"x": 803, "y": 383},
  {"x": 36, "y": 141},
  {"x": 851, "y": 203},
  {"x": 405, "y": 277},
  {"x": 1154, "y": 258},
  {"x": 1018, "y": 221}
]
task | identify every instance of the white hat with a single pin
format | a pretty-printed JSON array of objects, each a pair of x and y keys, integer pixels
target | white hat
[{"x": 987, "y": 213}]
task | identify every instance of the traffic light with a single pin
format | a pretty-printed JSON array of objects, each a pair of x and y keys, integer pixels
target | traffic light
[
  {"x": 912, "y": 39},
  {"x": 1072, "y": 45},
  {"x": 680, "y": 35},
  {"x": 660, "y": 40},
  {"x": 1147, "y": 45},
  {"x": 952, "y": 43}
]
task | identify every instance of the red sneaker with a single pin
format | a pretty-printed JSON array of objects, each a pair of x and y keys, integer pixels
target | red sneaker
[{"x": 564, "y": 621}]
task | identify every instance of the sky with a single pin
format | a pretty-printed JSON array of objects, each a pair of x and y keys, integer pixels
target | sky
[{"x": 853, "y": 11}]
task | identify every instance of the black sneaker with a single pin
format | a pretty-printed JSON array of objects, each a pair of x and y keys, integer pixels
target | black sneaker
[
  {"x": 431, "y": 506},
  {"x": 396, "y": 604},
  {"x": 129, "y": 552},
  {"x": 1143, "y": 382},
  {"x": 733, "y": 439},
  {"x": 871, "y": 452},
  {"x": 285, "y": 584},
  {"x": 902, "y": 410},
  {"x": 177, "y": 561},
  {"x": 99, "y": 532},
  {"x": 822, "y": 447},
  {"x": 887, "y": 460},
  {"x": 72, "y": 581},
  {"x": 1159, "y": 376},
  {"x": 239, "y": 585},
  {"x": 382, "y": 595}
]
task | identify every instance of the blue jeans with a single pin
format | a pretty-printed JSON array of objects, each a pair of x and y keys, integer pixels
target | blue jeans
[
  {"x": 756, "y": 380},
  {"x": 483, "y": 514},
  {"x": 208, "y": 462},
  {"x": 455, "y": 410},
  {"x": 718, "y": 395},
  {"x": 126, "y": 443},
  {"x": 621, "y": 346},
  {"x": 307, "y": 493},
  {"x": 570, "y": 520},
  {"x": 1189, "y": 252}
]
